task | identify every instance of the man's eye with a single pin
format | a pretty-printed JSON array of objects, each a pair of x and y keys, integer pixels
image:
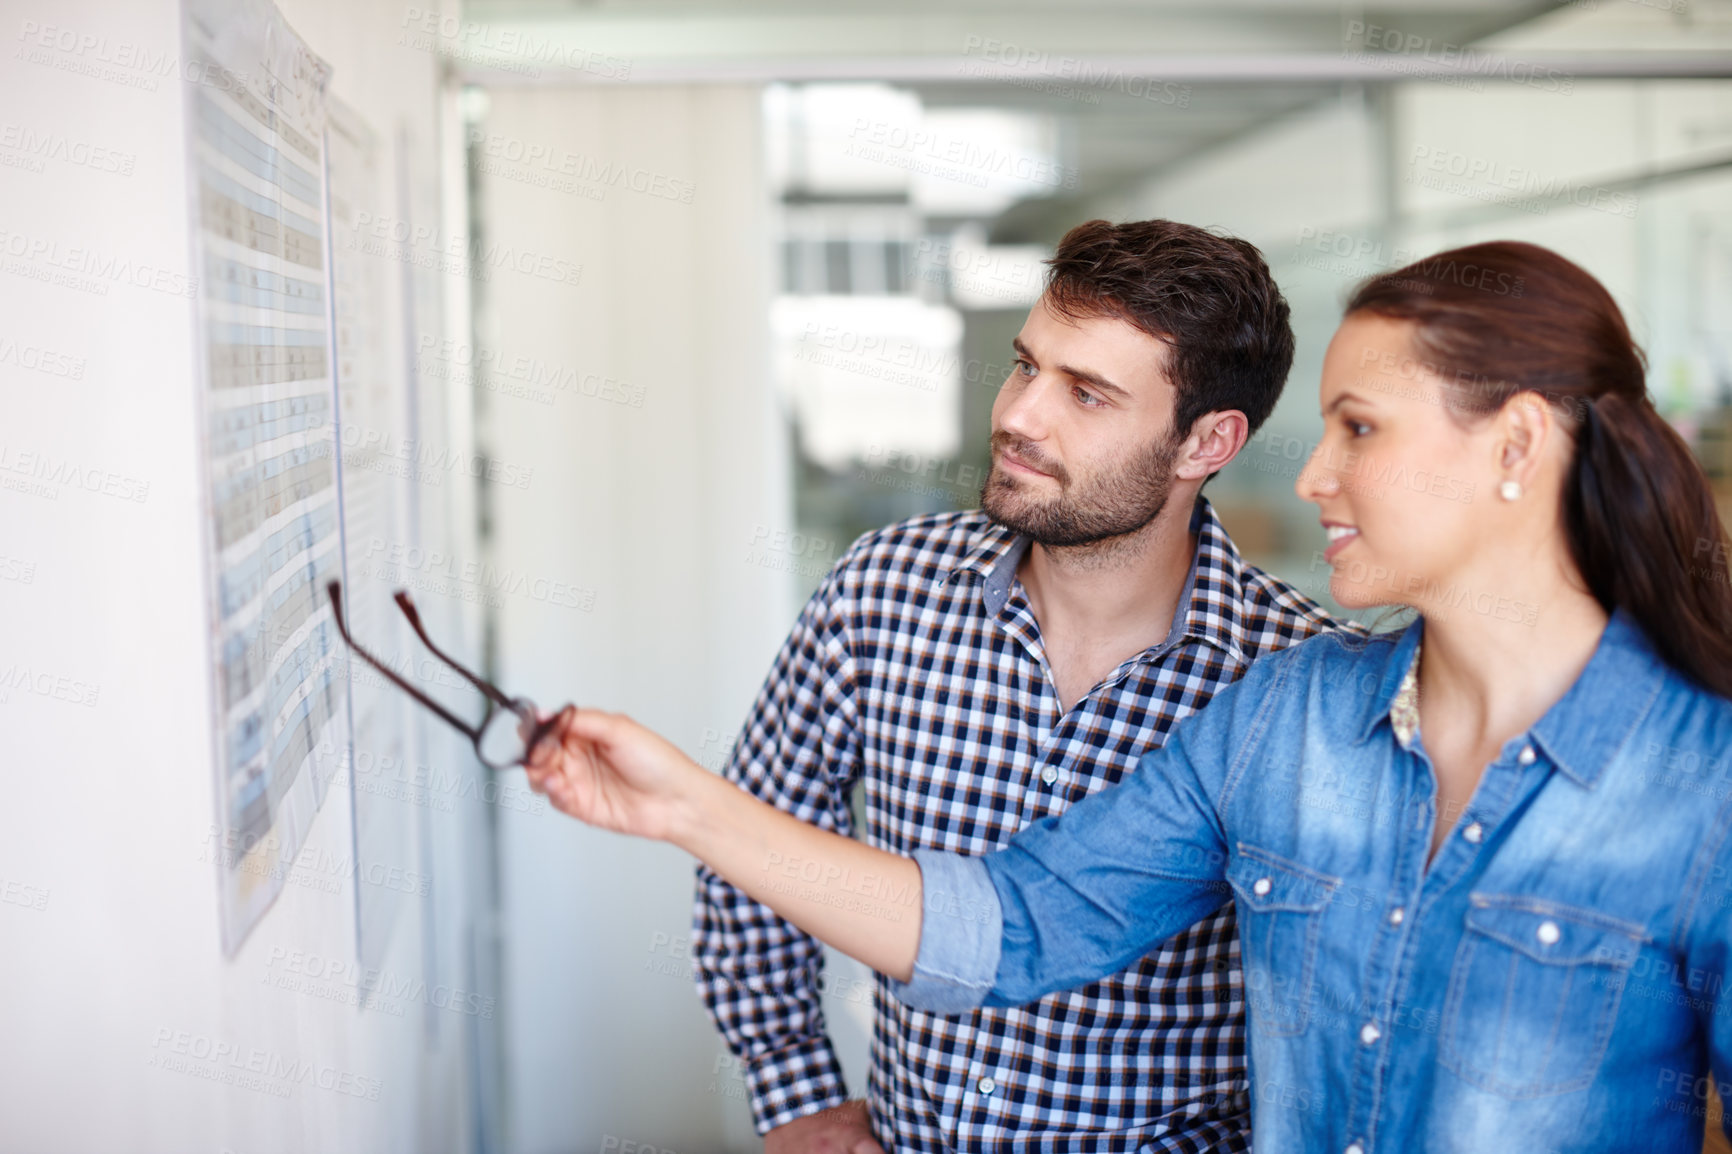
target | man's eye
[
  {"x": 1024, "y": 367},
  {"x": 1086, "y": 397}
]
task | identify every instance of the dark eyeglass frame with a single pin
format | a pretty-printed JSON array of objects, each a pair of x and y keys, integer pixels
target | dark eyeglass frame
[{"x": 522, "y": 707}]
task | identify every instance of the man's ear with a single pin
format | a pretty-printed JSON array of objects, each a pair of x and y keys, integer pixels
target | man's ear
[{"x": 1215, "y": 440}]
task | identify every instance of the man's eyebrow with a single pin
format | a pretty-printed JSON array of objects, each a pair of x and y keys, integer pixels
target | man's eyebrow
[
  {"x": 1097, "y": 381},
  {"x": 1087, "y": 375}
]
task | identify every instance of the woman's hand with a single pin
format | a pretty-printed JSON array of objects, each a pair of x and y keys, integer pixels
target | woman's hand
[{"x": 608, "y": 771}]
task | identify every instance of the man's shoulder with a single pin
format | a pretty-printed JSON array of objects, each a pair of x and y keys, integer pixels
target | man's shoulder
[
  {"x": 1277, "y": 615},
  {"x": 927, "y": 546},
  {"x": 1341, "y": 653}
]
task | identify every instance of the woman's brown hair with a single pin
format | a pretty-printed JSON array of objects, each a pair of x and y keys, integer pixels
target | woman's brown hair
[{"x": 1497, "y": 319}]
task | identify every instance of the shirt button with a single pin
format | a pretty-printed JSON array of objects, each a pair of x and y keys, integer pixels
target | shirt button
[
  {"x": 1049, "y": 775},
  {"x": 1549, "y": 933},
  {"x": 987, "y": 1086},
  {"x": 1356, "y": 1148},
  {"x": 1474, "y": 833},
  {"x": 1262, "y": 886},
  {"x": 1369, "y": 1033},
  {"x": 1397, "y": 916},
  {"x": 1526, "y": 756}
]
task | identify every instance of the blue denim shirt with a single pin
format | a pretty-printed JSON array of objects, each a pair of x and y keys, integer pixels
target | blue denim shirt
[{"x": 1553, "y": 980}]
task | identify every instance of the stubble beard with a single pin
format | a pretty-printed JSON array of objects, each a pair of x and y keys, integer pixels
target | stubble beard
[{"x": 1090, "y": 516}]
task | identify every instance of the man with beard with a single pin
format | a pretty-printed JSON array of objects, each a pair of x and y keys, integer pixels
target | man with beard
[{"x": 979, "y": 671}]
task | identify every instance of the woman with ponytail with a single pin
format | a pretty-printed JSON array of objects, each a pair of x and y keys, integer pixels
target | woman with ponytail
[
  {"x": 1495, "y": 322},
  {"x": 1482, "y": 866}
]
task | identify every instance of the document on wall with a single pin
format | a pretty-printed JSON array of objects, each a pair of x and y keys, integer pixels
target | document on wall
[
  {"x": 256, "y": 142},
  {"x": 373, "y": 416}
]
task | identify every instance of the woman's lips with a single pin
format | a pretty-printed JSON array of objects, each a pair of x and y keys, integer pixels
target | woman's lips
[{"x": 1340, "y": 536}]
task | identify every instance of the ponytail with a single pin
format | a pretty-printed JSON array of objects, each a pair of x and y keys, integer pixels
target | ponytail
[
  {"x": 1502, "y": 318},
  {"x": 1647, "y": 537}
]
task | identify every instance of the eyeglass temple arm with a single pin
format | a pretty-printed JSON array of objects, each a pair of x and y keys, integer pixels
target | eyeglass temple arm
[
  {"x": 493, "y": 694},
  {"x": 335, "y": 592}
]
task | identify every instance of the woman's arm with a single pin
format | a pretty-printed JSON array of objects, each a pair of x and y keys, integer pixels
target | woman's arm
[
  {"x": 1070, "y": 899},
  {"x": 611, "y": 772},
  {"x": 1082, "y": 895}
]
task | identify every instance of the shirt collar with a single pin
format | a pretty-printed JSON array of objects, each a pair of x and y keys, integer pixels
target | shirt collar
[
  {"x": 1383, "y": 686},
  {"x": 1585, "y": 730},
  {"x": 993, "y": 556},
  {"x": 1582, "y": 731},
  {"x": 1211, "y": 608},
  {"x": 1404, "y": 707}
]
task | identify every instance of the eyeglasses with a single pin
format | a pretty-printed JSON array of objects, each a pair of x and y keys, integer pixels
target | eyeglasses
[{"x": 509, "y": 731}]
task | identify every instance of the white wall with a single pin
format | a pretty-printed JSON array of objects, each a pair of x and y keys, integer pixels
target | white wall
[
  {"x": 107, "y": 808},
  {"x": 648, "y": 493}
]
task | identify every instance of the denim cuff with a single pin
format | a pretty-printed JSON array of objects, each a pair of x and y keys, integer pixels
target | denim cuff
[{"x": 961, "y": 933}]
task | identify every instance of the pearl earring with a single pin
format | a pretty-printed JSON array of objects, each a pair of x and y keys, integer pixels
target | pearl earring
[{"x": 1510, "y": 490}]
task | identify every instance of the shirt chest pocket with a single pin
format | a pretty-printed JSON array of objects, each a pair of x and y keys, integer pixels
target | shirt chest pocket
[
  {"x": 1280, "y": 906},
  {"x": 1533, "y": 992}
]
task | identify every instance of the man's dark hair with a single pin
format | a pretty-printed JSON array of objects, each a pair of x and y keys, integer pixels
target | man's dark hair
[{"x": 1210, "y": 297}]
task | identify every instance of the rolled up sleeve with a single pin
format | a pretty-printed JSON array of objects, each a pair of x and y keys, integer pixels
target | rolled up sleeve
[
  {"x": 961, "y": 930},
  {"x": 1076, "y": 897}
]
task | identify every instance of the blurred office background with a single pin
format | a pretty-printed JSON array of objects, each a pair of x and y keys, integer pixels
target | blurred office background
[
  {"x": 825, "y": 325},
  {"x": 803, "y": 237}
]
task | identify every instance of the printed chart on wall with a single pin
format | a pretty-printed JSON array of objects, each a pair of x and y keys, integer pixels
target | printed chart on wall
[
  {"x": 372, "y": 414},
  {"x": 256, "y": 136}
]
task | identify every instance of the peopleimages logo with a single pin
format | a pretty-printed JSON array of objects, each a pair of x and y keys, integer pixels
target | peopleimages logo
[
  {"x": 483, "y": 257},
  {"x": 1398, "y": 51},
  {"x": 40, "y": 146},
  {"x": 17, "y": 893},
  {"x": 39, "y": 359},
  {"x": 251, "y": 1067},
  {"x": 580, "y": 169},
  {"x": 410, "y": 564},
  {"x": 315, "y": 868},
  {"x": 1518, "y": 186},
  {"x": 58, "y": 687},
  {"x": 338, "y": 979},
  {"x": 1077, "y": 70},
  {"x": 486, "y": 364},
  {"x": 429, "y": 29},
  {"x": 952, "y": 157},
  {"x": 397, "y": 779},
  {"x": 924, "y": 467},
  {"x": 434, "y": 458},
  {"x": 101, "y": 57}
]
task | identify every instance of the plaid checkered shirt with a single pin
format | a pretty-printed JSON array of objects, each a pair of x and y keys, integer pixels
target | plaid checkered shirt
[{"x": 917, "y": 668}]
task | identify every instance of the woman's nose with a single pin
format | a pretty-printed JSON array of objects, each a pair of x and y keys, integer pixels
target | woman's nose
[{"x": 1316, "y": 481}]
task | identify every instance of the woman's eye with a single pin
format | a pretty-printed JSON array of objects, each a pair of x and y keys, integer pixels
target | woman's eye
[
  {"x": 1358, "y": 428},
  {"x": 1086, "y": 397}
]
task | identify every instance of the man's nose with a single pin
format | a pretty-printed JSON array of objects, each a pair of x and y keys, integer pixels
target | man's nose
[{"x": 1029, "y": 413}]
